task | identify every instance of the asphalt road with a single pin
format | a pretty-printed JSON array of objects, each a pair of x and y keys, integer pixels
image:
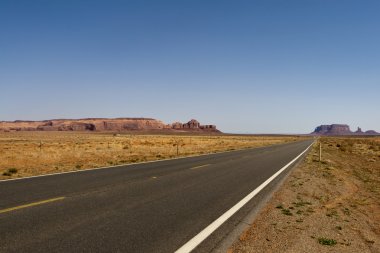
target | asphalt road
[{"x": 151, "y": 207}]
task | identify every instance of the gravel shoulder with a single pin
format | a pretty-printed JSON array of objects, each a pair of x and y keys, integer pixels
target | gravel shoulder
[{"x": 327, "y": 206}]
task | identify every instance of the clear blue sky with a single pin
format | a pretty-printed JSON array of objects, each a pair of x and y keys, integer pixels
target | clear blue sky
[{"x": 247, "y": 66}]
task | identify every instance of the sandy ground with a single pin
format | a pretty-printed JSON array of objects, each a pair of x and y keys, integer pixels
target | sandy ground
[{"x": 328, "y": 206}]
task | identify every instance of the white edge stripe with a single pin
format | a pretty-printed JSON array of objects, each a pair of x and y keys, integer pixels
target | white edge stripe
[{"x": 196, "y": 240}]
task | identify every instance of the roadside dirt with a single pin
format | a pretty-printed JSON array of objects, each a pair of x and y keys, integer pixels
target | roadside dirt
[{"x": 328, "y": 206}]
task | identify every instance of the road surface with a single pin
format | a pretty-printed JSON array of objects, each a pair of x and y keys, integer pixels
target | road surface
[{"x": 150, "y": 207}]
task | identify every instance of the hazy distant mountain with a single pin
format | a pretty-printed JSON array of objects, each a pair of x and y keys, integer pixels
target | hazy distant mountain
[{"x": 340, "y": 129}]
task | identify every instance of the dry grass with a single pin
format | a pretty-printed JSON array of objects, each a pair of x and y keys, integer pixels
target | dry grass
[
  {"x": 34, "y": 153},
  {"x": 331, "y": 206}
]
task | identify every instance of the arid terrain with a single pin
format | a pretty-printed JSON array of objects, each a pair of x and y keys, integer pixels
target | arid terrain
[
  {"x": 327, "y": 206},
  {"x": 34, "y": 153}
]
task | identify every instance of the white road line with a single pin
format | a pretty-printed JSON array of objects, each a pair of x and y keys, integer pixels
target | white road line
[
  {"x": 196, "y": 240},
  {"x": 200, "y": 166}
]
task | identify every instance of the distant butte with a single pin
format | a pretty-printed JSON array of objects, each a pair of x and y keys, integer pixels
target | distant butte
[
  {"x": 105, "y": 124},
  {"x": 340, "y": 129}
]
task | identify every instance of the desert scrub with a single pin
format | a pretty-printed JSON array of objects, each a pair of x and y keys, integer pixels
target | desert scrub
[
  {"x": 10, "y": 171},
  {"x": 286, "y": 212},
  {"x": 332, "y": 213},
  {"x": 301, "y": 203},
  {"x": 326, "y": 241}
]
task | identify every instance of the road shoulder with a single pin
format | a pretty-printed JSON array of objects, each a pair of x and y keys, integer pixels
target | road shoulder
[{"x": 332, "y": 206}]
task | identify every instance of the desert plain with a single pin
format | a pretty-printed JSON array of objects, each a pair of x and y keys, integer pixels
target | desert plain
[
  {"x": 30, "y": 153},
  {"x": 327, "y": 205}
]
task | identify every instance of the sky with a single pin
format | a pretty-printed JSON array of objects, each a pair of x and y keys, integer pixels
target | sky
[{"x": 270, "y": 66}]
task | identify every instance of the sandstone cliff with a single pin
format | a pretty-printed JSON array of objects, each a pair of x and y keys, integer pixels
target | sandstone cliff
[{"x": 103, "y": 124}]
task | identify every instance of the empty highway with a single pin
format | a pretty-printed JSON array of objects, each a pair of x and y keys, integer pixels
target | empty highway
[{"x": 149, "y": 207}]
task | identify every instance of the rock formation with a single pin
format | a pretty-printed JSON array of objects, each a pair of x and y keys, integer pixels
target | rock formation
[
  {"x": 193, "y": 125},
  {"x": 340, "y": 129},
  {"x": 103, "y": 124},
  {"x": 371, "y": 132},
  {"x": 359, "y": 131}
]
